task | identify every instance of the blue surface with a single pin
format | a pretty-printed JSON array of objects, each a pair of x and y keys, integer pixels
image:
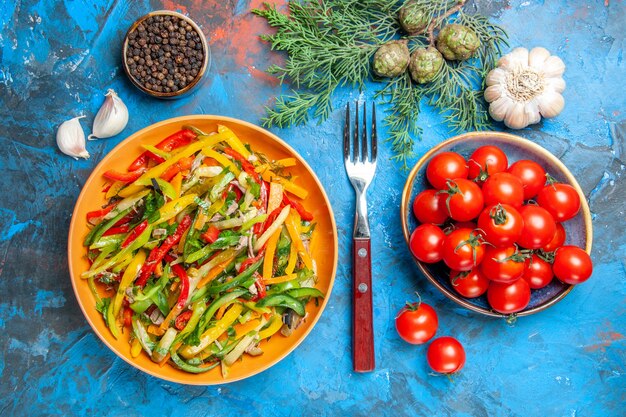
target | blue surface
[{"x": 59, "y": 57}]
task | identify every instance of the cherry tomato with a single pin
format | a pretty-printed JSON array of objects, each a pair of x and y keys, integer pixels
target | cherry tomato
[
  {"x": 537, "y": 272},
  {"x": 446, "y": 355},
  {"x": 503, "y": 188},
  {"x": 485, "y": 161},
  {"x": 509, "y": 298},
  {"x": 561, "y": 201},
  {"x": 504, "y": 265},
  {"x": 539, "y": 227},
  {"x": 502, "y": 224},
  {"x": 462, "y": 249},
  {"x": 427, "y": 243},
  {"x": 464, "y": 200},
  {"x": 558, "y": 240},
  {"x": 470, "y": 284},
  {"x": 430, "y": 207},
  {"x": 572, "y": 265},
  {"x": 417, "y": 323},
  {"x": 445, "y": 166},
  {"x": 532, "y": 175}
]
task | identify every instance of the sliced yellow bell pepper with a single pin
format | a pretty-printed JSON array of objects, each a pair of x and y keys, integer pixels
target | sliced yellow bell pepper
[
  {"x": 214, "y": 332},
  {"x": 114, "y": 189},
  {"x": 242, "y": 329},
  {"x": 289, "y": 186},
  {"x": 171, "y": 209},
  {"x": 233, "y": 141},
  {"x": 293, "y": 227},
  {"x": 274, "y": 326},
  {"x": 293, "y": 258},
  {"x": 278, "y": 280},
  {"x": 225, "y": 162},
  {"x": 135, "y": 348},
  {"x": 177, "y": 183},
  {"x": 215, "y": 271},
  {"x": 270, "y": 249},
  {"x": 129, "y": 276}
]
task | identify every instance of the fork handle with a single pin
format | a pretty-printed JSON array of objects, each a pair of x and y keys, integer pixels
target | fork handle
[{"x": 362, "y": 320}]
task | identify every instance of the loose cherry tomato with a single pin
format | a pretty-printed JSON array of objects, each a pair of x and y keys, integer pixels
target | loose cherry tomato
[
  {"x": 430, "y": 207},
  {"x": 558, "y": 240},
  {"x": 445, "y": 166},
  {"x": 464, "y": 200},
  {"x": 509, "y": 298},
  {"x": 504, "y": 265},
  {"x": 539, "y": 227},
  {"x": 485, "y": 161},
  {"x": 572, "y": 265},
  {"x": 417, "y": 323},
  {"x": 561, "y": 201},
  {"x": 446, "y": 355},
  {"x": 470, "y": 284},
  {"x": 427, "y": 243},
  {"x": 537, "y": 272},
  {"x": 463, "y": 249},
  {"x": 503, "y": 187},
  {"x": 502, "y": 224},
  {"x": 532, "y": 175}
]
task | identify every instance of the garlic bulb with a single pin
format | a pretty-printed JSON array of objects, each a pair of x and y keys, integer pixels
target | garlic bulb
[
  {"x": 525, "y": 86},
  {"x": 111, "y": 118},
  {"x": 71, "y": 139}
]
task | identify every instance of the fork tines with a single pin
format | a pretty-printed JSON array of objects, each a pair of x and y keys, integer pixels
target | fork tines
[{"x": 359, "y": 153}]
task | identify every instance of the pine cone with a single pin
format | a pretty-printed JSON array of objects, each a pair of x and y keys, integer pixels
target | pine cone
[
  {"x": 457, "y": 42},
  {"x": 391, "y": 59},
  {"x": 425, "y": 64},
  {"x": 413, "y": 18}
]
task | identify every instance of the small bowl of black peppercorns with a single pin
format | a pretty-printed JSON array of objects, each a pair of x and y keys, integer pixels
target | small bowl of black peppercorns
[{"x": 165, "y": 54}]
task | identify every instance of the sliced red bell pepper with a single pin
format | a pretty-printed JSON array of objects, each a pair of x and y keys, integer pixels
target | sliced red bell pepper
[
  {"x": 184, "y": 285},
  {"x": 245, "y": 164},
  {"x": 157, "y": 254},
  {"x": 304, "y": 215},
  {"x": 211, "y": 234},
  {"x": 181, "y": 165},
  {"x": 234, "y": 189},
  {"x": 245, "y": 264},
  {"x": 117, "y": 230},
  {"x": 182, "y": 319},
  {"x": 135, "y": 233},
  {"x": 270, "y": 219},
  {"x": 175, "y": 140},
  {"x": 128, "y": 316},
  {"x": 126, "y": 219},
  {"x": 125, "y": 176},
  {"x": 107, "y": 187},
  {"x": 260, "y": 288},
  {"x": 94, "y": 217}
]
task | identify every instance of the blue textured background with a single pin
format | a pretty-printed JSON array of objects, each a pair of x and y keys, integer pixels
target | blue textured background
[{"x": 57, "y": 58}]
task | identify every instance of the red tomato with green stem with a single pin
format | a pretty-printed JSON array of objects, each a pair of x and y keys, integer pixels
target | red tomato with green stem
[
  {"x": 446, "y": 355},
  {"x": 427, "y": 243},
  {"x": 572, "y": 265},
  {"x": 504, "y": 265},
  {"x": 558, "y": 240},
  {"x": 445, "y": 166},
  {"x": 502, "y": 224},
  {"x": 532, "y": 175},
  {"x": 417, "y": 323},
  {"x": 561, "y": 200},
  {"x": 539, "y": 227},
  {"x": 464, "y": 199},
  {"x": 470, "y": 284},
  {"x": 485, "y": 161},
  {"x": 463, "y": 249},
  {"x": 503, "y": 187},
  {"x": 537, "y": 272},
  {"x": 509, "y": 298},
  {"x": 429, "y": 206}
]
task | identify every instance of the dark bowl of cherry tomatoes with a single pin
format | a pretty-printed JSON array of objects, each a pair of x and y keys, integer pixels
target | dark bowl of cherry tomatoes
[{"x": 497, "y": 223}]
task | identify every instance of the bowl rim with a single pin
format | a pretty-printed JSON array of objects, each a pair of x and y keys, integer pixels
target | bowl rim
[
  {"x": 181, "y": 120},
  {"x": 201, "y": 72},
  {"x": 405, "y": 212}
]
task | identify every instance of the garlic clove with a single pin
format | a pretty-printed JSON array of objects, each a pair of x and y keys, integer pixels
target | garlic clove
[
  {"x": 550, "y": 103},
  {"x": 532, "y": 112},
  {"x": 494, "y": 92},
  {"x": 537, "y": 57},
  {"x": 112, "y": 117},
  {"x": 499, "y": 108},
  {"x": 517, "y": 58},
  {"x": 555, "y": 83},
  {"x": 553, "y": 67},
  {"x": 496, "y": 76},
  {"x": 71, "y": 139},
  {"x": 516, "y": 117}
]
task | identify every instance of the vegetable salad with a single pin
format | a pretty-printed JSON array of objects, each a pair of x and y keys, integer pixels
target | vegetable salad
[{"x": 203, "y": 251}]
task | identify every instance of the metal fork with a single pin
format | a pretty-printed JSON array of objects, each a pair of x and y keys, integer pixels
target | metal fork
[{"x": 360, "y": 167}]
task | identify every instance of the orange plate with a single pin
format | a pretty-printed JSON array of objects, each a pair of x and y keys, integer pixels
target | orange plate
[{"x": 325, "y": 251}]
